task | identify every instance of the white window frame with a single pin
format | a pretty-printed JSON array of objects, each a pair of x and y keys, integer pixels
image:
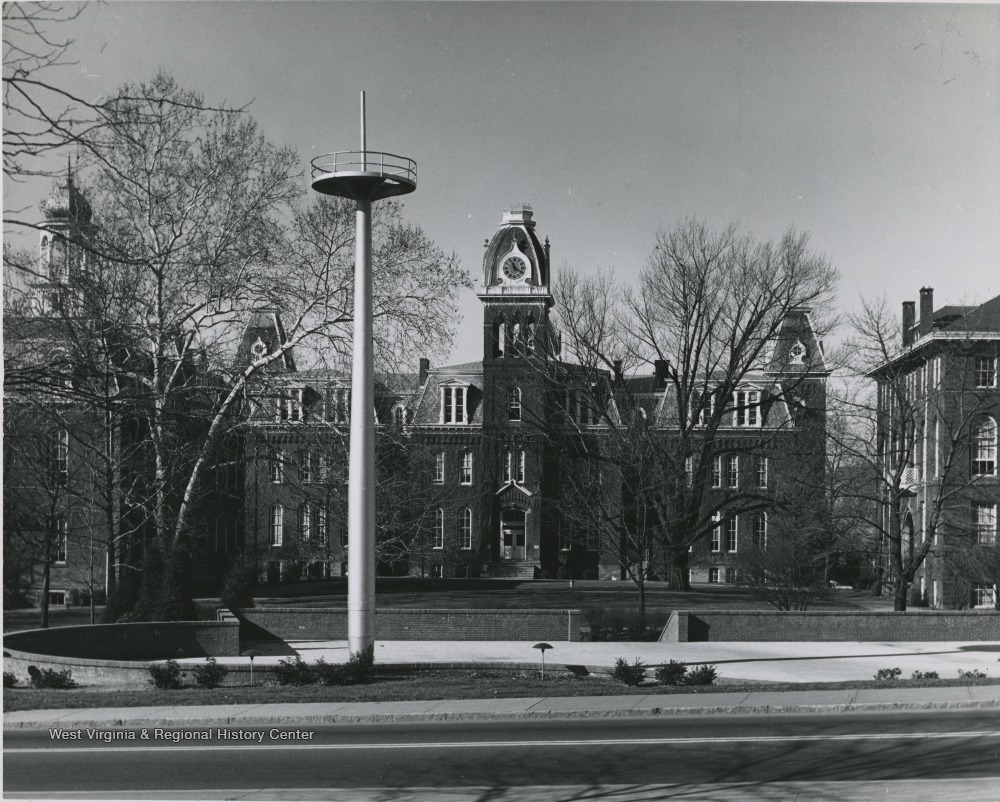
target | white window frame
[
  {"x": 732, "y": 535},
  {"x": 703, "y": 412},
  {"x": 982, "y": 596},
  {"x": 689, "y": 470},
  {"x": 305, "y": 521},
  {"x": 305, "y": 467},
  {"x": 61, "y": 540},
  {"x": 514, "y": 404},
  {"x": 465, "y": 471},
  {"x": 465, "y": 528},
  {"x": 454, "y": 405},
  {"x": 519, "y": 477},
  {"x": 276, "y": 467},
  {"x": 715, "y": 536},
  {"x": 290, "y": 406},
  {"x": 277, "y": 524},
  {"x": 439, "y": 459},
  {"x": 60, "y": 457},
  {"x": 338, "y": 405},
  {"x": 759, "y": 524},
  {"x": 321, "y": 524},
  {"x": 986, "y": 372},
  {"x": 717, "y": 470},
  {"x": 438, "y": 529},
  {"x": 984, "y": 447},
  {"x": 713, "y": 576},
  {"x": 746, "y": 409},
  {"x": 506, "y": 467},
  {"x": 985, "y": 520},
  {"x": 732, "y": 471},
  {"x": 730, "y": 575},
  {"x": 760, "y": 473}
]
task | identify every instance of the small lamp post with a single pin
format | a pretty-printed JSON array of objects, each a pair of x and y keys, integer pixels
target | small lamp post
[
  {"x": 251, "y": 653},
  {"x": 542, "y": 647}
]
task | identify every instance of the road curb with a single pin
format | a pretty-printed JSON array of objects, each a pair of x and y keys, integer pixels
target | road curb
[{"x": 402, "y": 717}]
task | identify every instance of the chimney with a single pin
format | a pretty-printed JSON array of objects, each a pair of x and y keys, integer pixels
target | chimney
[
  {"x": 661, "y": 369},
  {"x": 618, "y": 371},
  {"x": 425, "y": 365},
  {"x": 926, "y": 310},
  {"x": 909, "y": 319}
]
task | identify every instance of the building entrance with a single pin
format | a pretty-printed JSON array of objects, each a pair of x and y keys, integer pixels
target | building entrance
[{"x": 512, "y": 545}]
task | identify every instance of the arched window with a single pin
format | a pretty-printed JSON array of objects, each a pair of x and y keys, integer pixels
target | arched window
[
  {"x": 505, "y": 466},
  {"x": 530, "y": 337},
  {"x": 984, "y": 448},
  {"x": 277, "y": 524},
  {"x": 439, "y": 528},
  {"x": 515, "y": 337},
  {"x": 760, "y": 530},
  {"x": 501, "y": 335},
  {"x": 514, "y": 403},
  {"x": 305, "y": 522},
  {"x": 321, "y": 530},
  {"x": 465, "y": 528}
]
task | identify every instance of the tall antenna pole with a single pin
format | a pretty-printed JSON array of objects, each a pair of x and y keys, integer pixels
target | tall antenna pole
[{"x": 364, "y": 139}]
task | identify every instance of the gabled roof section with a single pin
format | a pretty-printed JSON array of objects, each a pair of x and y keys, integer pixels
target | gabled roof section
[
  {"x": 985, "y": 317},
  {"x": 263, "y": 335},
  {"x": 426, "y": 403},
  {"x": 796, "y": 349}
]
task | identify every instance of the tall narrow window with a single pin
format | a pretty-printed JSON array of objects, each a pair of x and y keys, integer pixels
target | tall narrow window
[
  {"x": 305, "y": 467},
  {"x": 984, "y": 448},
  {"x": 506, "y": 463},
  {"x": 277, "y": 466},
  {"x": 501, "y": 339},
  {"x": 760, "y": 530},
  {"x": 689, "y": 470},
  {"x": 760, "y": 471},
  {"x": 465, "y": 474},
  {"x": 704, "y": 408},
  {"x": 732, "y": 470},
  {"x": 277, "y": 524},
  {"x": 986, "y": 524},
  {"x": 322, "y": 472},
  {"x": 338, "y": 405},
  {"x": 453, "y": 405},
  {"x": 519, "y": 478},
  {"x": 516, "y": 341},
  {"x": 732, "y": 528},
  {"x": 717, "y": 471},
  {"x": 514, "y": 403},
  {"x": 747, "y": 412},
  {"x": 439, "y": 528},
  {"x": 715, "y": 542},
  {"x": 60, "y": 457},
  {"x": 713, "y": 576},
  {"x": 439, "y": 468},
  {"x": 465, "y": 528},
  {"x": 61, "y": 540},
  {"x": 321, "y": 525},
  {"x": 986, "y": 371},
  {"x": 305, "y": 522}
]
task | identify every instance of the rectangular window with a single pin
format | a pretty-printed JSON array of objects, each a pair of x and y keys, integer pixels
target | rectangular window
[
  {"x": 61, "y": 540},
  {"x": 689, "y": 471},
  {"x": 277, "y": 525},
  {"x": 453, "y": 405},
  {"x": 747, "y": 412},
  {"x": 465, "y": 474},
  {"x": 732, "y": 471},
  {"x": 465, "y": 528},
  {"x": 731, "y": 530},
  {"x": 321, "y": 468},
  {"x": 717, "y": 471},
  {"x": 505, "y": 467},
  {"x": 982, "y": 596},
  {"x": 520, "y": 468},
  {"x": 277, "y": 466},
  {"x": 60, "y": 458},
  {"x": 439, "y": 468},
  {"x": 704, "y": 408},
  {"x": 439, "y": 528},
  {"x": 986, "y": 524},
  {"x": 713, "y": 576},
  {"x": 730, "y": 576},
  {"x": 986, "y": 371},
  {"x": 716, "y": 544},
  {"x": 289, "y": 407},
  {"x": 760, "y": 530},
  {"x": 321, "y": 525},
  {"x": 984, "y": 447},
  {"x": 760, "y": 471},
  {"x": 305, "y": 467},
  {"x": 338, "y": 405}
]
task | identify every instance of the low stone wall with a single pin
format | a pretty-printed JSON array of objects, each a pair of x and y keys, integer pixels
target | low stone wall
[
  {"x": 161, "y": 640},
  {"x": 831, "y": 625},
  {"x": 312, "y": 623}
]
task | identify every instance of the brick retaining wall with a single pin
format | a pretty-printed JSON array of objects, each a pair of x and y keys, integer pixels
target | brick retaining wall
[
  {"x": 310, "y": 623},
  {"x": 161, "y": 640},
  {"x": 831, "y": 625}
]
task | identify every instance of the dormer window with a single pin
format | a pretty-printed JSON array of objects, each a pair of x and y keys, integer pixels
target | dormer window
[
  {"x": 259, "y": 349},
  {"x": 703, "y": 409},
  {"x": 453, "y": 405},
  {"x": 289, "y": 406},
  {"x": 338, "y": 405},
  {"x": 747, "y": 408}
]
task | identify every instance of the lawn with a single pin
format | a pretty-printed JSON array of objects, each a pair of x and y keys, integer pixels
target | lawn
[{"x": 415, "y": 686}]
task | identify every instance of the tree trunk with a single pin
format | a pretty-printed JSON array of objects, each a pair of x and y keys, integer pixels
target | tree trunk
[
  {"x": 45, "y": 592},
  {"x": 899, "y": 598},
  {"x": 679, "y": 578}
]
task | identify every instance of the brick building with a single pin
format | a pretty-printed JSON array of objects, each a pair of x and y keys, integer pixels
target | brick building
[{"x": 938, "y": 406}]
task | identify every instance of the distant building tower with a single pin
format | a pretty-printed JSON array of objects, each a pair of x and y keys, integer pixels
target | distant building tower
[{"x": 62, "y": 255}]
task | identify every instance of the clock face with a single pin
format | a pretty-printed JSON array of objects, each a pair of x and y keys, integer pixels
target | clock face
[{"x": 513, "y": 268}]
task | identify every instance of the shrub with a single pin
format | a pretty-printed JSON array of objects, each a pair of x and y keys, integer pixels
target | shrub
[
  {"x": 671, "y": 673},
  {"x": 629, "y": 674},
  {"x": 589, "y": 573},
  {"x": 918, "y": 599},
  {"x": 9, "y": 679},
  {"x": 210, "y": 675},
  {"x": 562, "y": 572},
  {"x": 327, "y": 674},
  {"x": 924, "y": 675},
  {"x": 294, "y": 672},
  {"x": 974, "y": 673},
  {"x": 237, "y": 590},
  {"x": 360, "y": 665},
  {"x": 166, "y": 676},
  {"x": 702, "y": 675},
  {"x": 888, "y": 674},
  {"x": 50, "y": 678}
]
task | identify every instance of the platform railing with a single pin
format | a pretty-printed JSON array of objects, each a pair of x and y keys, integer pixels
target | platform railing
[{"x": 387, "y": 165}]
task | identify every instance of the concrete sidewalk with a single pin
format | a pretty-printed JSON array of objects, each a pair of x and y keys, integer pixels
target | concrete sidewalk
[{"x": 300, "y": 715}]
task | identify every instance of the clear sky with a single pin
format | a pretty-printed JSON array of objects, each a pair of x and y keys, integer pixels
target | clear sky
[{"x": 875, "y": 127}]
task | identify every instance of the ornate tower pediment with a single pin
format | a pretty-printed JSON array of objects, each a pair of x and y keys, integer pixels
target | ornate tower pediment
[{"x": 516, "y": 263}]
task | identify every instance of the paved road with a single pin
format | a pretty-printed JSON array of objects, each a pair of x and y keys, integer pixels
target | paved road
[{"x": 926, "y": 755}]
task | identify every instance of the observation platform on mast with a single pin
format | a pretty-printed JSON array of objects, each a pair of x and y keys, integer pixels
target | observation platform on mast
[{"x": 364, "y": 175}]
